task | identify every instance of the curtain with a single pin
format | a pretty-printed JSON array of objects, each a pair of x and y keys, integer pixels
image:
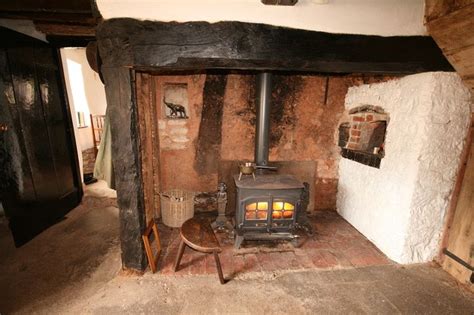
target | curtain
[{"x": 103, "y": 168}]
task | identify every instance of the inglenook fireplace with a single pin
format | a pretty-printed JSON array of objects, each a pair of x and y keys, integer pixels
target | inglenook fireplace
[{"x": 130, "y": 49}]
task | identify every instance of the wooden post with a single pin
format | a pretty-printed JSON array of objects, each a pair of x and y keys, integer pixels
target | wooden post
[{"x": 126, "y": 158}]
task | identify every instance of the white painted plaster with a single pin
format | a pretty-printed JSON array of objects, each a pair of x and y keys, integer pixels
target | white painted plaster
[
  {"x": 86, "y": 93},
  {"x": 401, "y": 206},
  {"x": 382, "y": 17}
]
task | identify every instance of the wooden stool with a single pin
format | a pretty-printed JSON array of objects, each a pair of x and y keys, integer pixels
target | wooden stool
[{"x": 198, "y": 234}]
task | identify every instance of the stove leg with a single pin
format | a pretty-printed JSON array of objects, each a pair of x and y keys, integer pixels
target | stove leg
[
  {"x": 295, "y": 242},
  {"x": 238, "y": 241}
]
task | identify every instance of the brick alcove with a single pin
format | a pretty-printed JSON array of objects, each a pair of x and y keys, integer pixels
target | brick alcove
[{"x": 362, "y": 137}]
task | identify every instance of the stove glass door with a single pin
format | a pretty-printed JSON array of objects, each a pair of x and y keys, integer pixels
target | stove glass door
[
  {"x": 283, "y": 210},
  {"x": 256, "y": 210}
]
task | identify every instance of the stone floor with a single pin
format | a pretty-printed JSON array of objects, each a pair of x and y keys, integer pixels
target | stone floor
[
  {"x": 74, "y": 268},
  {"x": 335, "y": 244}
]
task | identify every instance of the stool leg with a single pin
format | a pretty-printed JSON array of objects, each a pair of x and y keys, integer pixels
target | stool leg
[
  {"x": 182, "y": 246},
  {"x": 219, "y": 268}
]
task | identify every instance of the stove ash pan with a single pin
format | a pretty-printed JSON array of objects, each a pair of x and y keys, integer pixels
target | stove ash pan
[{"x": 267, "y": 208}]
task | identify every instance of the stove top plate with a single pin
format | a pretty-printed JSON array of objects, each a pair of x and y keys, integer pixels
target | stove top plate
[{"x": 268, "y": 181}]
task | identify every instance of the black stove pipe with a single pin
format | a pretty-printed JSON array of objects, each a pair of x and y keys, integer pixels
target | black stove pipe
[{"x": 264, "y": 94}]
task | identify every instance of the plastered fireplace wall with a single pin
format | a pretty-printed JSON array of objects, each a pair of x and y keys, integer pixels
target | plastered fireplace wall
[{"x": 401, "y": 206}]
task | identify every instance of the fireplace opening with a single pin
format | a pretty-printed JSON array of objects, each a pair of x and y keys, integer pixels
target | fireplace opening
[{"x": 283, "y": 120}]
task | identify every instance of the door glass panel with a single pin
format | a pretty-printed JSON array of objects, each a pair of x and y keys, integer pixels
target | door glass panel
[
  {"x": 262, "y": 215},
  {"x": 256, "y": 211},
  {"x": 250, "y": 215},
  {"x": 251, "y": 206},
  {"x": 278, "y": 205},
  {"x": 283, "y": 210}
]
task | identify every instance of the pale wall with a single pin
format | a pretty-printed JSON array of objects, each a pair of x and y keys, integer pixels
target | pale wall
[
  {"x": 85, "y": 91},
  {"x": 382, "y": 17},
  {"x": 401, "y": 206}
]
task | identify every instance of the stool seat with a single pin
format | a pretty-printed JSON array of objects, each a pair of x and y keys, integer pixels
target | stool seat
[{"x": 198, "y": 234}]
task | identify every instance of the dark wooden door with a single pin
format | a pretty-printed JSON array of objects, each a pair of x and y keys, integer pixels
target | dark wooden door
[{"x": 39, "y": 173}]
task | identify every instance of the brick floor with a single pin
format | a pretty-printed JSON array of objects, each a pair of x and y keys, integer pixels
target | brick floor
[{"x": 335, "y": 244}]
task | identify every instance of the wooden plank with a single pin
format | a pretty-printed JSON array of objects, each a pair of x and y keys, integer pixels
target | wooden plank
[
  {"x": 469, "y": 81},
  {"x": 463, "y": 60},
  {"x": 454, "y": 31},
  {"x": 149, "y": 143},
  {"x": 150, "y": 124},
  {"x": 143, "y": 82},
  {"x": 155, "y": 147},
  {"x": 456, "y": 192},
  {"x": 63, "y": 29},
  {"x": 236, "y": 45},
  {"x": 461, "y": 232},
  {"x": 437, "y": 8}
]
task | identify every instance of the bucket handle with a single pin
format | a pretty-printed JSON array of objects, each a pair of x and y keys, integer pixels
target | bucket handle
[{"x": 173, "y": 198}]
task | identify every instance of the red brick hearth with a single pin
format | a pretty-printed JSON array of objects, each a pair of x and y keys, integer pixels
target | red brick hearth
[{"x": 335, "y": 244}]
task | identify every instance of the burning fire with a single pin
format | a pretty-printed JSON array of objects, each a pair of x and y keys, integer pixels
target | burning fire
[{"x": 259, "y": 210}]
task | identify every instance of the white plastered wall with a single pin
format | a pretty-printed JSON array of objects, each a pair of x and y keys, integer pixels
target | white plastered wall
[
  {"x": 369, "y": 17},
  {"x": 86, "y": 93},
  {"x": 401, "y": 206}
]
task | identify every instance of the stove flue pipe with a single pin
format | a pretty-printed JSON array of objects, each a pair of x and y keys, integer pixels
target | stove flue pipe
[{"x": 264, "y": 94}]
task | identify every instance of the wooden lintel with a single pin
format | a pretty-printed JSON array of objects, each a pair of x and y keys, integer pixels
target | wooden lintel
[
  {"x": 61, "y": 29},
  {"x": 236, "y": 45}
]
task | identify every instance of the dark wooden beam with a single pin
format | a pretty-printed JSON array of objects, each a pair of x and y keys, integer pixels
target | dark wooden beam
[
  {"x": 63, "y": 29},
  {"x": 126, "y": 156},
  {"x": 69, "y": 41},
  {"x": 49, "y": 6},
  {"x": 150, "y": 45},
  {"x": 71, "y": 18},
  {"x": 55, "y": 17}
]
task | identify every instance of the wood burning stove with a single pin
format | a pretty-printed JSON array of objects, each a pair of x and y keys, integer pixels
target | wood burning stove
[{"x": 267, "y": 207}]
